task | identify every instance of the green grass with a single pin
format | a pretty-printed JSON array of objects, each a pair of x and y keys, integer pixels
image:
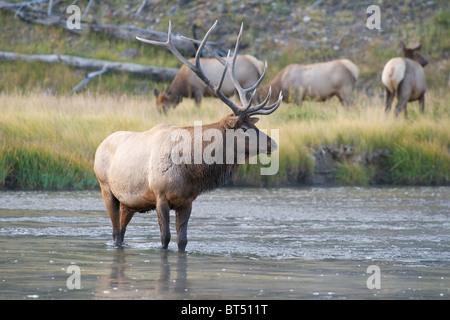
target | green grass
[
  {"x": 353, "y": 174},
  {"x": 426, "y": 163},
  {"x": 49, "y": 142},
  {"x": 30, "y": 168}
]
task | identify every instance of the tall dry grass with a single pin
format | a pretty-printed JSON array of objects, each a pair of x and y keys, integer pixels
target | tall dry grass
[{"x": 49, "y": 142}]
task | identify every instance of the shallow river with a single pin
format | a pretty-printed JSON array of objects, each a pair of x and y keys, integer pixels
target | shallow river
[{"x": 282, "y": 243}]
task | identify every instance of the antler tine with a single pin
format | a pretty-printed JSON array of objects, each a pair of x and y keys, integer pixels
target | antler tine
[
  {"x": 257, "y": 83},
  {"x": 223, "y": 74},
  {"x": 203, "y": 43},
  {"x": 262, "y": 104},
  {"x": 169, "y": 45},
  {"x": 262, "y": 109},
  {"x": 246, "y": 110},
  {"x": 197, "y": 67},
  {"x": 208, "y": 48},
  {"x": 241, "y": 91}
]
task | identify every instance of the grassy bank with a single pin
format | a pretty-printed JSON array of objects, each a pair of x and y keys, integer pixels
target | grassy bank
[{"x": 49, "y": 142}]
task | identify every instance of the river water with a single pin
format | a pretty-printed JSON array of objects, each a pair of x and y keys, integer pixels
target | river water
[{"x": 280, "y": 243}]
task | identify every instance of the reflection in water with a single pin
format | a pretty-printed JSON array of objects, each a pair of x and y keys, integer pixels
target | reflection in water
[
  {"x": 122, "y": 282},
  {"x": 286, "y": 243}
]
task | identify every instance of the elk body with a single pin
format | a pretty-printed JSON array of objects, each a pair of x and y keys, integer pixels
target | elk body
[
  {"x": 403, "y": 77},
  {"x": 318, "y": 81},
  {"x": 187, "y": 85},
  {"x": 137, "y": 171}
]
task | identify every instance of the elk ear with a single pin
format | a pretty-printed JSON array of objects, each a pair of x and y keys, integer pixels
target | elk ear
[
  {"x": 418, "y": 47},
  {"x": 253, "y": 120},
  {"x": 402, "y": 45},
  {"x": 156, "y": 92},
  {"x": 232, "y": 122}
]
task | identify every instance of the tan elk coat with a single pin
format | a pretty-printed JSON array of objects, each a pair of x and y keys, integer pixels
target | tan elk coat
[
  {"x": 318, "y": 81},
  {"x": 187, "y": 85},
  {"x": 404, "y": 78}
]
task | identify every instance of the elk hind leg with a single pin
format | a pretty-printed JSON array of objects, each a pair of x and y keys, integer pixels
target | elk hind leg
[
  {"x": 182, "y": 218},
  {"x": 422, "y": 103},
  {"x": 403, "y": 97},
  {"x": 345, "y": 95},
  {"x": 389, "y": 99},
  {"x": 401, "y": 105}
]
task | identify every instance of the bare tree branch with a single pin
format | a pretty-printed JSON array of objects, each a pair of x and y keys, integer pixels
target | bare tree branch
[
  {"x": 50, "y": 8},
  {"x": 89, "y": 77},
  {"x": 138, "y": 12},
  {"x": 87, "y": 8},
  {"x": 121, "y": 32}
]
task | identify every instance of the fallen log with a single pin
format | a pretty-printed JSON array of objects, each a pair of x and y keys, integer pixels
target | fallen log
[
  {"x": 131, "y": 32},
  {"x": 151, "y": 72},
  {"x": 37, "y": 16}
]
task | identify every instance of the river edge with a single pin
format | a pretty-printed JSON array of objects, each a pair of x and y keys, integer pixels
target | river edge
[{"x": 334, "y": 166}]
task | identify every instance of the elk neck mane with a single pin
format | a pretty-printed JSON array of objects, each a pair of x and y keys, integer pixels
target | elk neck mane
[
  {"x": 178, "y": 88},
  {"x": 206, "y": 177}
]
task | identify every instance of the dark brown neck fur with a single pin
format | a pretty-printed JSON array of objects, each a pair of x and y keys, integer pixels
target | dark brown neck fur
[{"x": 206, "y": 177}]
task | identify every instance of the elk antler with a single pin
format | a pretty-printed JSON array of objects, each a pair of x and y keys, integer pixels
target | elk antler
[{"x": 261, "y": 109}]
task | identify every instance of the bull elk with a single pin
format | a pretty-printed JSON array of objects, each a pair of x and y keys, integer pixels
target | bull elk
[
  {"x": 137, "y": 171},
  {"x": 187, "y": 85},
  {"x": 318, "y": 81},
  {"x": 404, "y": 77}
]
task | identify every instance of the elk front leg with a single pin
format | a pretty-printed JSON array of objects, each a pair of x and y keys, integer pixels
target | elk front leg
[
  {"x": 163, "y": 210},
  {"x": 182, "y": 218},
  {"x": 198, "y": 96},
  {"x": 112, "y": 206}
]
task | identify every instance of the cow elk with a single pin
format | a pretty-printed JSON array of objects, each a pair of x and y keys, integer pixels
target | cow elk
[
  {"x": 318, "y": 81},
  {"x": 187, "y": 85},
  {"x": 137, "y": 171},
  {"x": 404, "y": 77}
]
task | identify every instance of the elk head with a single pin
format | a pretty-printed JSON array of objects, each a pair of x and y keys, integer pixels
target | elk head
[
  {"x": 242, "y": 119},
  {"x": 414, "y": 54},
  {"x": 164, "y": 100}
]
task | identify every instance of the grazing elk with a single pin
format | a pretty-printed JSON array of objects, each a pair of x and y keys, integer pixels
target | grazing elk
[
  {"x": 187, "y": 85},
  {"x": 404, "y": 77},
  {"x": 318, "y": 81},
  {"x": 137, "y": 171}
]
